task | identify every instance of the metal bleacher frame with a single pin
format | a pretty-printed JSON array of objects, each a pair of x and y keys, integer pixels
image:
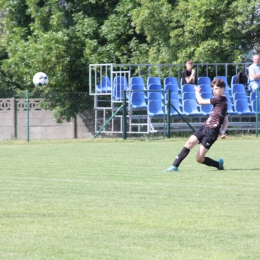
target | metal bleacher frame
[{"x": 139, "y": 122}]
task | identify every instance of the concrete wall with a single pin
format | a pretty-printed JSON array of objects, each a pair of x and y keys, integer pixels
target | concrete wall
[{"x": 13, "y": 118}]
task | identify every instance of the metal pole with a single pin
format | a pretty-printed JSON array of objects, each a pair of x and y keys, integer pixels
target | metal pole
[
  {"x": 124, "y": 115},
  {"x": 27, "y": 117},
  {"x": 168, "y": 114},
  {"x": 191, "y": 127},
  {"x": 256, "y": 111}
]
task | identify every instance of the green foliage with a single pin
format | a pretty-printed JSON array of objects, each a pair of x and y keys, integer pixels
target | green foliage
[{"x": 61, "y": 38}]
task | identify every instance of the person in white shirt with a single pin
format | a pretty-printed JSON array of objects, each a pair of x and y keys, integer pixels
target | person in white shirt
[{"x": 254, "y": 73}]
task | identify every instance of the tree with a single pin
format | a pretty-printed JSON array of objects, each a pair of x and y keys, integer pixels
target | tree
[
  {"x": 61, "y": 38},
  {"x": 205, "y": 30},
  {"x": 50, "y": 36}
]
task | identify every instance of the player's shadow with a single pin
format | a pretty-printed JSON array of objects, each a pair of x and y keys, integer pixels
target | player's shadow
[{"x": 232, "y": 169}]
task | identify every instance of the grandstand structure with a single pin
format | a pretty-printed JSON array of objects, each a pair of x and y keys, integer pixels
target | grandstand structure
[{"x": 148, "y": 87}]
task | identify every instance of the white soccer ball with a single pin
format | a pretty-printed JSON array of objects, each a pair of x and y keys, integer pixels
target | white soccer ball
[{"x": 40, "y": 79}]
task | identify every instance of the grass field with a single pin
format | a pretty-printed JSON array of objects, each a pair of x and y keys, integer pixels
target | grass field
[{"x": 108, "y": 199}]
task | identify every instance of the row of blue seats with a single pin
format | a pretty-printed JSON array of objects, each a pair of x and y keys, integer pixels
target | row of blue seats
[
  {"x": 138, "y": 97},
  {"x": 106, "y": 86},
  {"x": 191, "y": 108},
  {"x": 137, "y": 83},
  {"x": 138, "y": 100},
  {"x": 240, "y": 102}
]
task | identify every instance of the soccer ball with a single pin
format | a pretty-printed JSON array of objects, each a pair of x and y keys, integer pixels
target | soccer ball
[{"x": 40, "y": 79}]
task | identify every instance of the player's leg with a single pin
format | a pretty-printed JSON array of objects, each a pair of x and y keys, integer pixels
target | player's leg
[
  {"x": 200, "y": 157},
  {"x": 193, "y": 140},
  {"x": 210, "y": 135}
]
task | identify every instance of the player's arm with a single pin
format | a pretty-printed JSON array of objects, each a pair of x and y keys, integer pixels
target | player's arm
[
  {"x": 200, "y": 100},
  {"x": 224, "y": 127},
  {"x": 253, "y": 74},
  {"x": 191, "y": 78}
]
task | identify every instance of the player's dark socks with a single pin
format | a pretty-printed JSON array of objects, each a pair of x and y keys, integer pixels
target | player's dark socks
[
  {"x": 181, "y": 156},
  {"x": 209, "y": 162}
]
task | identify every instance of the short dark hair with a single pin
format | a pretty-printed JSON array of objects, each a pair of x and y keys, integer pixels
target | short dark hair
[
  {"x": 189, "y": 61},
  {"x": 218, "y": 82}
]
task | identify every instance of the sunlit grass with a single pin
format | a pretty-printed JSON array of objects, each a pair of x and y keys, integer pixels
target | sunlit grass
[{"x": 108, "y": 199}]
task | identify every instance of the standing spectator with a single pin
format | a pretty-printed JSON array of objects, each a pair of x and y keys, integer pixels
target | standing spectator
[
  {"x": 254, "y": 73},
  {"x": 188, "y": 75}
]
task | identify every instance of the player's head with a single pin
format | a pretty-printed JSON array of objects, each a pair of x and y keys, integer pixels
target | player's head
[
  {"x": 256, "y": 59},
  {"x": 189, "y": 64},
  {"x": 218, "y": 87}
]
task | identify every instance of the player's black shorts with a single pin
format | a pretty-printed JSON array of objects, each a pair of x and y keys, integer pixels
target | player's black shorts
[{"x": 207, "y": 136}]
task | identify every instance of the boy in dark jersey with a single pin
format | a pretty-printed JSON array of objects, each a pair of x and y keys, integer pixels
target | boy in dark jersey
[{"x": 210, "y": 129}]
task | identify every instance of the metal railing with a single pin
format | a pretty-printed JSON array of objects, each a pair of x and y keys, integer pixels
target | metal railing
[{"x": 97, "y": 72}]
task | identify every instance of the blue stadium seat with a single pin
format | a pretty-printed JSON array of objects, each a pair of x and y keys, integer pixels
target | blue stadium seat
[
  {"x": 137, "y": 100},
  {"x": 206, "y": 95},
  {"x": 206, "y": 109},
  {"x": 241, "y": 107},
  {"x": 155, "y": 87},
  {"x": 118, "y": 94},
  {"x": 233, "y": 80},
  {"x": 153, "y": 80},
  {"x": 227, "y": 91},
  {"x": 137, "y": 80},
  {"x": 237, "y": 88},
  {"x": 188, "y": 95},
  {"x": 228, "y": 96},
  {"x": 253, "y": 96},
  {"x": 205, "y": 88},
  {"x": 120, "y": 84},
  {"x": 104, "y": 86},
  {"x": 155, "y": 108},
  {"x": 173, "y": 95},
  {"x": 137, "y": 87},
  {"x": 187, "y": 88},
  {"x": 155, "y": 96},
  {"x": 171, "y": 87},
  {"x": 120, "y": 80},
  {"x": 170, "y": 81},
  {"x": 240, "y": 95},
  {"x": 176, "y": 104},
  {"x": 204, "y": 80},
  {"x": 190, "y": 107},
  {"x": 253, "y": 106},
  {"x": 230, "y": 108}
]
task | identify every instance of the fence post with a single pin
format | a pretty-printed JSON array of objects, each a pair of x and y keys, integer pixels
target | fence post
[
  {"x": 124, "y": 115},
  {"x": 75, "y": 127},
  {"x": 27, "y": 117},
  {"x": 168, "y": 114},
  {"x": 14, "y": 117},
  {"x": 256, "y": 111}
]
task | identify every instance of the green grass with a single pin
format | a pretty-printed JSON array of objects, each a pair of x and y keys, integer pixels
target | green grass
[{"x": 108, "y": 199}]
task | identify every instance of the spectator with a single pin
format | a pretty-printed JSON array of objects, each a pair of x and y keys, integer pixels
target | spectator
[
  {"x": 242, "y": 79},
  {"x": 254, "y": 73},
  {"x": 188, "y": 75}
]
